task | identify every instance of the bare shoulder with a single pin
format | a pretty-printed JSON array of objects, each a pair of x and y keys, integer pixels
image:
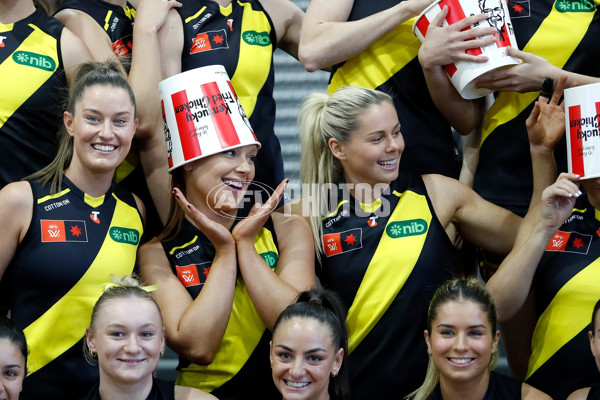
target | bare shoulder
[
  {"x": 528, "y": 392},
  {"x": 283, "y": 221},
  {"x": 188, "y": 393},
  {"x": 17, "y": 196},
  {"x": 580, "y": 394}
]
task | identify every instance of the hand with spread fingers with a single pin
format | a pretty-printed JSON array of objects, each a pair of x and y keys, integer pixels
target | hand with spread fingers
[
  {"x": 558, "y": 200},
  {"x": 258, "y": 215},
  {"x": 546, "y": 123},
  {"x": 448, "y": 44},
  {"x": 218, "y": 235}
]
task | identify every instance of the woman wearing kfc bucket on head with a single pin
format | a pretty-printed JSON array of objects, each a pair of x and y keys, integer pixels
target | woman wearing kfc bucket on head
[{"x": 223, "y": 277}]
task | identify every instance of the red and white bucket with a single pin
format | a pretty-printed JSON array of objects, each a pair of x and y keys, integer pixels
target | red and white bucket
[
  {"x": 202, "y": 115},
  {"x": 582, "y": 123},
  {"x": 462, "y": 73}
]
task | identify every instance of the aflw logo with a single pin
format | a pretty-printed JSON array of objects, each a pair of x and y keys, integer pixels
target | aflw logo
[{"x": 34, "y": 60}]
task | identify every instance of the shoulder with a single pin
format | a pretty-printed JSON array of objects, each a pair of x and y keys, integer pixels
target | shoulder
[
  {"x": 188, "y": 393},
  {"x": 17, "y": 196},
  {"x": 528, "y": 392},
  {"x": 580, "y": 394}
]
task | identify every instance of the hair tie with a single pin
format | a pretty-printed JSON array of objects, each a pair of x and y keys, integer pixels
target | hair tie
[
  {"x": 315, "y": 300},
  {"x": 149, "y": 288}
]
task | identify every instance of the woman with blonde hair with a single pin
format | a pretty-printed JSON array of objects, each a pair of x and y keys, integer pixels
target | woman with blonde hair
[
  {"x": 384, "y": 237},
  {"x": 126, "y": 335}
]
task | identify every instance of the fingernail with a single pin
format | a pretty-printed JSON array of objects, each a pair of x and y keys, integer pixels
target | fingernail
[{"x": 579, "y": 193}]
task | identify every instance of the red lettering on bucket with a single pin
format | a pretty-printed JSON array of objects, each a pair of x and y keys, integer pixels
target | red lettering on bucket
[
  {"x": 222, "y": 120},
  {"x": 576, "y": 142},
  {"x": 186, "y": 127},
  {"x": 241, "y": 109}
]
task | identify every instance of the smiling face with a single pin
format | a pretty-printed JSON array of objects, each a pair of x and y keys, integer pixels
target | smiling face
[
  {"x": 372, "y": 155},
  {"x": 303, "y": 357},
  {"x": 218, "y": 182},
  {"x": 128, "y": 337},
  {"x": 12, "y": 367},
  {"x": 102, "y": 128},
  {"x": 595, "y": 340},
  {"x": 461, "y": 342}
]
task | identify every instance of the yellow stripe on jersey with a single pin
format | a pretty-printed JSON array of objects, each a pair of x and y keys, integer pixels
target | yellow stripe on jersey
[
  {"x": 107, "y": 20},
  {"x": 378, "y": 63},
  {"x": 566, "y": 316},
  {"x": 188, "y": 19},
  {"x": 508, "y": 105},
  {"x": 21, "y": 86},
  {"x": 174, "y": 249},
  {"x": 95, "y": 202},
  {"x": 127, "y": 166},
  {"x": 47, "y": 339},
  {"x": 247, "y": 79},
  {"x": 53, "y": 196},
  {"x": 244, "y": 330},
  {"x": 381, "y": 285}
]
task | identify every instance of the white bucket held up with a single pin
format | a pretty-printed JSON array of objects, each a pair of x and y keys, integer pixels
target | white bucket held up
[
  {"x": 202, "y": 115},
  {"x": 582, "y": 123},
  {"x": 462, "y": 73}
]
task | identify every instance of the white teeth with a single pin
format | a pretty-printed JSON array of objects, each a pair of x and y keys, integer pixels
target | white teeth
[
  {"x": 461, "y": 360},
  {"x": 296, "y": 384},
  {"x": 387, "y": 163},
  {"x": 104, "y": 147},
  {"x": 235, "y": 184}
]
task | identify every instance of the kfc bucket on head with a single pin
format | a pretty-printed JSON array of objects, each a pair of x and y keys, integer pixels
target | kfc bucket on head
[
  {"x": 463, "y": 73},
  {"x": 202, "y": 115},
  {"x": 582, "y": 122}
]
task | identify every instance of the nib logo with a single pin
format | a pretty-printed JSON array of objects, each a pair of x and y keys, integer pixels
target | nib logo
[{"x": 2, "y": 41}]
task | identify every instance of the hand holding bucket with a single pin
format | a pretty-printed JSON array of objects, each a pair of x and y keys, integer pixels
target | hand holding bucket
[{"x": 488, "y": 50}]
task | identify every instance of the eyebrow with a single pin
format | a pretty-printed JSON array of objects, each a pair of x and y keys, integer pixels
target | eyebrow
[
  {"x": 123, "y": 326},
  {"x": 98, "y": 111},
  {"x": 470, "y": 326},
  {"x": 383, "y": 131},
  {"x": 315, "y": 350},
  {"x": 13, "y": 366}
]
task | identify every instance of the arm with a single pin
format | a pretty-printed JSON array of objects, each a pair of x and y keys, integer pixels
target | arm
[
  {"x": 207, "y": 315},
  {"x": 88, "y": 30},
  {"x": 74, "y": 52},
  {"x": 272, "y": 292},
  {"x": 16, "y": 211},
  {"x": 287, "y": 19},
  {"x": 446, "y": 45},
  {"x": 145, "y": 73},
  {"x": 529, "y": 75},
  {"x": 328, "y": 38},
  {"x": 511, "y": 284},
  {"x": 482, "y": 223}
]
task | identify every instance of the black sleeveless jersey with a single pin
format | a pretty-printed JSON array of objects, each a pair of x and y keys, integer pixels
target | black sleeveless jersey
[{"x": 33, "y": 86}]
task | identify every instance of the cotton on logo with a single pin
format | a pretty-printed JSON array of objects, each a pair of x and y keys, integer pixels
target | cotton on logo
[{"x": 2, "y": 41}]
